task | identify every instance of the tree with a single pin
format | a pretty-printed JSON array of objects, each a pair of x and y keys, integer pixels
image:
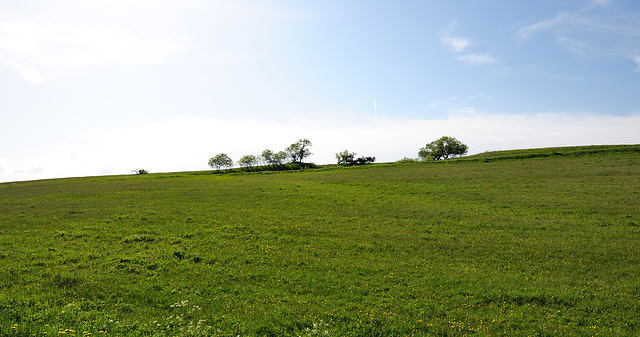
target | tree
[
  {"x": 280, "y": 157},
  {"x": 349, "y": 158},
  {"x": 220, "y": 160},
  {"x": 299, "y": 150},
  {"x": 364, "y": 160},
  {"x": 272, "y": 159},
  {"x": 248, "y": 161},
  {"x": 443, "y": 148},
  {"x": 345, "y": 157},
  {"x": 267, "y": 157},
  {"x": 140, "y": 171}
]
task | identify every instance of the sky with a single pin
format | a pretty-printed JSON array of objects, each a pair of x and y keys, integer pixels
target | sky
[{"x": 93, "y": 87}]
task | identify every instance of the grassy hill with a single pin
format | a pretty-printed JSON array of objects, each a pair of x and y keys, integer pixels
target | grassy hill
[
  {"x": 572, "y": 151},
  {"x": 539, "y": 242}
]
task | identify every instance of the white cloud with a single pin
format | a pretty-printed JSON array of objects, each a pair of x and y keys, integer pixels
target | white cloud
[
  {"x": 599, "y": 3},
  {"x": 477, "y": 59},
  {"x": 456, "y": 43},
  {"x": 636, "y": 59},
  {"x": 39, "y": 50},
  {"x": 527, "y": 32},
  {"x": 477, "y": 96},
  {"x": 185, "y": 144},
  {"x": 460, "y": 44}
]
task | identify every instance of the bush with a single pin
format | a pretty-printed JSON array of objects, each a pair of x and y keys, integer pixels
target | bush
[
  {"x": 298, "y": 166},
  {"x": 140, "y": 171},
  {"x": 407, "y": 160},
  {"x": 347, "y": 158},
  {"x": 364, "y": 160}
]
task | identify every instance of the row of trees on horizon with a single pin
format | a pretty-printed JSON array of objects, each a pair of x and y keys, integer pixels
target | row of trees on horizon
[
  {"x": 295, "y": 154},
  {"x": 442, "y": 148}
]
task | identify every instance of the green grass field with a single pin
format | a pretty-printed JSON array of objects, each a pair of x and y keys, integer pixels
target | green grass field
[{"x": 525, "y": 243}]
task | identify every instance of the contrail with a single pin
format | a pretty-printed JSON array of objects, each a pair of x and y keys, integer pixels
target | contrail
[{"x": 375, "y": 110}]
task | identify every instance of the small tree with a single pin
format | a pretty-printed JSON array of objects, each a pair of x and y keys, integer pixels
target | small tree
[
  {"x": 220, "y": 160},
  {"x": 345, "y": 157},
  {"x": 443, "y": 148},
  {"x": 248, "y": 161},
  {"x": 266, "y": 158},
  {"x": 349, "y": 158},
  {"x": 280, "y": 157},
  {"x": 299, "y": 150},
  {"x": 364, "y": 160},
  {"x": 140, "y": 171}
]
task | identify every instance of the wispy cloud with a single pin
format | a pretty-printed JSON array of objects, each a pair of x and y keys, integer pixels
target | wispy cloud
[
  {"x": 460, "y": 44},
  {"x": 527, "y": 32},
  {"x": 599, "y": 3},
  {"x": 39, "y": 50},
  {"x": 477, "y": 96},
  {"x": 477, "y": 59},
  {"x": 590, "y": 32},
  {"x": 456, "y": 43},
  {"x": 636, "y": 59}
]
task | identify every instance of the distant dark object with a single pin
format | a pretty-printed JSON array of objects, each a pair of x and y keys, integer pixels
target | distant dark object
[
  {"x": 364, "y": 160},
  {"x": 443, "y": 148},
  {"x": 347, "y": 158},
  {"x": 140, "y": 171}
]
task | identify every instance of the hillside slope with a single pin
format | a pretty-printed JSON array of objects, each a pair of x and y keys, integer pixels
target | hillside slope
[
  {"x": 552, "y": 152},
  {"x": 539, "y": 246}
]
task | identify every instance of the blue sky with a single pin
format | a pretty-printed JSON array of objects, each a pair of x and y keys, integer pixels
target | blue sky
[{"x": 103, "y": 87}]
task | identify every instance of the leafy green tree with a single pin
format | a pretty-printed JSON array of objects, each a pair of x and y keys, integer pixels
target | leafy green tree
[
  {"x": 349, "y": 158},
  {"x": 299, "y": 150},
  {"x": 273, "y": 159},
  {"x": 266, "y": 157},
  {"x": 280, "y": 157},
  {"x": 220, "y": 160},
  {"x": 443, "y": 148},
  {"x": 345, "y": 157},
  {"x": 247, "y": 161},
  {"x": 140, "y": 171},
  {"x": 364, "y": 160}
]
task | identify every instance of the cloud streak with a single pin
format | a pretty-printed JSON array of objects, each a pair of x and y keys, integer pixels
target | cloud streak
[
  {"x": 456, "y": 43},
  {"x": 599, "y": 3},
  {"x": 636, "y": 59},
  {"x": 589, "y": 32},
  {"x": 459, "y": 44},
  {"x": 477, "y": 59}
]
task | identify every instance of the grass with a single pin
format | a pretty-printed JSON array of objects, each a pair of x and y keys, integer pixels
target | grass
[
  {"x": 517, "y": 244},
  {"x": 552, "y": 152}
]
